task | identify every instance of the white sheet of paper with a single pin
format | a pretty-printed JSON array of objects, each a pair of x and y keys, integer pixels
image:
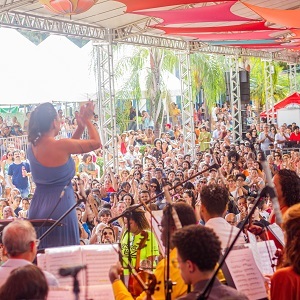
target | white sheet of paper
[
  {"x": 245, "y": 273},
  {"x": 99, "y": 259},
  {"x": 263, "y": 252},
  {"x": 99, "y": 292},
  {"x": 277, "y": 232},
  {"x": 63, "y": 257}
]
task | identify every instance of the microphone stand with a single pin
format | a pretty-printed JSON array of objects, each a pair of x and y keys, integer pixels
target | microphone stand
[
  {"x": 207, "y": 289},
  {"x": 168, "y": 282},
  {"x": 57, "y": 222}
]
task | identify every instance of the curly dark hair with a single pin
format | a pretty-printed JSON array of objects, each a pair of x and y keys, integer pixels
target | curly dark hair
[
  {"x": 291, "y": 225},
  {"x": 138, "y": 216},
  {"x": 233, "y": 153},
  {"x": 214, "y": 198},
  {"x": 206, "y": 249},
  {"x": 290, "y": 185}
]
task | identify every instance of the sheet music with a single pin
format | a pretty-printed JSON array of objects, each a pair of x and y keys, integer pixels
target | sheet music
[
  {"x": 277, "y": 232},
  {"x": 263, "y": 252},
  {"x": 245, "y": 274},
  {"x": 99, "y": 259},
  {"x": 62, "y": 257},
  {"x": 263, "y": 248}
]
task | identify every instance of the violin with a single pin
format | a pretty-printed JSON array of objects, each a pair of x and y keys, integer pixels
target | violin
[{"x": 139, "y": 276}]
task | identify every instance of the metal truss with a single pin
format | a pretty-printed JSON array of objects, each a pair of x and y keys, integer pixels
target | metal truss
[
  {"x": 155, "y": 41},
  {"x": 235, "y": 97},
  {"x": 51, "y": 25},
  {"x": 269, "y": 70},
  {"x": 134, "y": 33},
  {"x": 106, "y": 105},
  {"x": 12, "y": 4},
  {"x": 187, "y": 107},
  {"x": 293, "y": 78}
]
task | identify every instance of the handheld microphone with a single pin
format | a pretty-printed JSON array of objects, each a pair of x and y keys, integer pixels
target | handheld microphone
[{"x": 71, "y": 271}]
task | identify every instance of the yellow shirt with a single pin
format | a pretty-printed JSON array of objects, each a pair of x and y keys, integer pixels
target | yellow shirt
[
  {"x": 150, "y": 248},
  {"x": 180, "y": 289}
]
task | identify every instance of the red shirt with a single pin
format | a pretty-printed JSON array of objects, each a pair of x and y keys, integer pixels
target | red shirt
[{"x": 295, "y": 137}]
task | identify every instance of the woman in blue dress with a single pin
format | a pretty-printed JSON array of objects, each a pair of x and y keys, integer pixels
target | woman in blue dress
[{"x": 52, "y": 169}]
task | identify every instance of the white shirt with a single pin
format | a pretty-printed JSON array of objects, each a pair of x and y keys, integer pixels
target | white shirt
[
  {"x": 13, "y": 263},
  {"x": 279, "y": 137},
  {"x": 225, "y": 232}
]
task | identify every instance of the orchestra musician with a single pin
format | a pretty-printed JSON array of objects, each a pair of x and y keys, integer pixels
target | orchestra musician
[
  {"x": 285, "y": 283},
  {"x": 138, "y": 243},
  {"x": 186, "y": 216}
]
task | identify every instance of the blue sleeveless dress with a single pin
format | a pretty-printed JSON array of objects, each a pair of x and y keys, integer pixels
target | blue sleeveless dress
[{"x": 50, "y": 181}]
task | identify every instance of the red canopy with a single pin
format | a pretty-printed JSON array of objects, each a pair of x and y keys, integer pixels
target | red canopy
[{"x": 293, "y": 99}]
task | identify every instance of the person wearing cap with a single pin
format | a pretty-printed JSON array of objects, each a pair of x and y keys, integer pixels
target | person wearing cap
[{"x": 169, "y": 130}]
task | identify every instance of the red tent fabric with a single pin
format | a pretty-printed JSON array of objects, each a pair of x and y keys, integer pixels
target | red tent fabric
[
  {"x": 212, "y": 13},
  {"x": 292, "y": 99},
  {"x": 242, "y": 27},
  {"x": 134, "y": 5}
]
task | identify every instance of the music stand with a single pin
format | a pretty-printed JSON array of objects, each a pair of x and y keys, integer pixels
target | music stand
[{"x": 34, "y": 222}]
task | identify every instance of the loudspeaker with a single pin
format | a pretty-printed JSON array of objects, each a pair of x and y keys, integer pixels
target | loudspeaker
[{"x": 244, "y": 87}]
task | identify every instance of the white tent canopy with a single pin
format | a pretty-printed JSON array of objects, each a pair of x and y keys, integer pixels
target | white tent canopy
[{"x": 55, "y": 70}]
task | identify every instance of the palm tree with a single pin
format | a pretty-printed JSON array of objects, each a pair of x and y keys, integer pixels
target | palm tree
[
  {"x": 258, "y": 85},
  {"x": 208, "y": 73},
  {"x": 152, "y": 62}
]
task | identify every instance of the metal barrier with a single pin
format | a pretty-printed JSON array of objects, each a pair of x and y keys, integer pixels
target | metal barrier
[
  {"x": 21, "y": 142},
  {"x": 13, "y": 142}
]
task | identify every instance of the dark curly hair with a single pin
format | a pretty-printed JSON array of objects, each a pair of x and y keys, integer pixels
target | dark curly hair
[
  {"x": 214, "y": 198},
  {"x": 291, "y": 225},
  {"x": 40, "y": 121},
  {"x": 206, "y": 248},
  {"x": 290, "y": 185},
  {"x": 138, "y": 216}
]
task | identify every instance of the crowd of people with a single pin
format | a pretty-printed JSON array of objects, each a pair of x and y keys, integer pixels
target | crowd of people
[{"x": 220, "y": 198}]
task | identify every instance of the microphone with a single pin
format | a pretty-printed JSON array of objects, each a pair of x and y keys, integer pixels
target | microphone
[{"x": 71, "y": 271}]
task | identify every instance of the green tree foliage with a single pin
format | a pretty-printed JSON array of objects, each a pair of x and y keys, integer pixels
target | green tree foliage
[
  {"x": 258, "y": 82},
  {"x": 208, "y": 73}
]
